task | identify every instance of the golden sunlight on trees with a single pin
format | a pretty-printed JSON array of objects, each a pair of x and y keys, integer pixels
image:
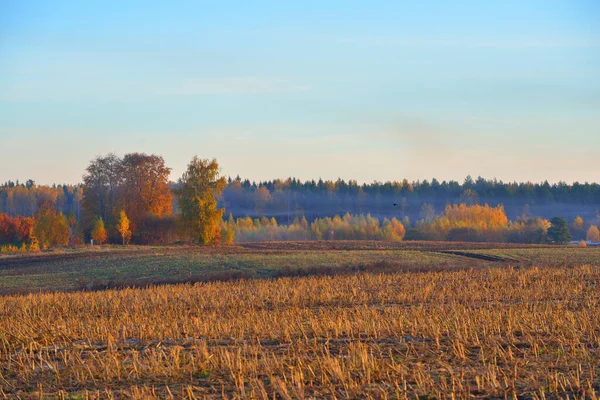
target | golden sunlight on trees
[
  {"x": 461, "y": 222},
  {"x": 123, "y": 227},
  {"x": 198, "y": 187},
  {"x": 15, "y": 230},
  {"x": 50, "y": 228},
  {"x": 99, "y": 234},
  {"x": 138, "y": 184},
  {"x": 133, "y": 198},
  {"x": 593, "y": 234},
  {"x": 348, "y": 227},
  {"x": 144, "y": 189},
  {"x": 393, "y": 230}
]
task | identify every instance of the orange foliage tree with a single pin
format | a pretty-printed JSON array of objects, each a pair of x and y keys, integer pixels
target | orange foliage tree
[
  {"x": 137, "y": 183},
  {"x": 468, "y": 223},
  {"x": 144, "y": 188},
  {"x": 15, "y": 230},
  {"x": 99, "y": 234}
]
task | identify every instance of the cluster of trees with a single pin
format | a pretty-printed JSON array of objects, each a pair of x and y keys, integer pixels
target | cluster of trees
[
  {"x": 478, "y": 223},
  {"x": 130, "y": 198},
  {"x": 25, "y": 199},
  {"x": 460, "y": 222},
  {"x": 357, "y": 227},
  {"x": 246, "y": 229},
  {"x": 348, "y": 227},
  {"x": 136, "y": 185},
  {"x": 51, "y": 228},
  {"x": 286, "y": 199},
  {"x": 123, "y": 199},
  {"x": 15, "y": 231},
  {"x": 47, "y": 229}
]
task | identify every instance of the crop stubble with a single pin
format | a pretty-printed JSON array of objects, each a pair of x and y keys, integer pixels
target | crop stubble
[{"x": 490, "y": 332}]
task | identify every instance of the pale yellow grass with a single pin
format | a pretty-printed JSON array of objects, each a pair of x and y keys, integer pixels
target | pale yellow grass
[{"x": 531, "y": 333}]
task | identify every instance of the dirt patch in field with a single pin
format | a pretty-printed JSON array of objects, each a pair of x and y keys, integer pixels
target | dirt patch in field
[
  {"x": 346, "y": 245},
  {"x": 478, "y": 256}
]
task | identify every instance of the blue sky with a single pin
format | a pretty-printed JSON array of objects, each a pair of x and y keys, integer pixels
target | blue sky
[{"x": 351, "y": 89}]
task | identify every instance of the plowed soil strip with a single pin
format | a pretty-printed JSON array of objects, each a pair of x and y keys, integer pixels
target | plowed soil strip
[{"x": 478, "y": 256}]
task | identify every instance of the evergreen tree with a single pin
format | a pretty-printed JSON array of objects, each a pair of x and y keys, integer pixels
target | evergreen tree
[{"x": 559, "y": 231}]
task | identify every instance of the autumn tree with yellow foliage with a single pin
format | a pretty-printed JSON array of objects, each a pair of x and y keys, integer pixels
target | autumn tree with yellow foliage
[
  {"x": 393, "y": 230},
  {"x": 123, "y": 227},
  {"x": 464, "y": 222},
  {"x": 138, "y": 184},
  {"x": 99, "y": 234},
  {"x": 593, "y": 234},
  {"x": 144, "y": 189},
  {"x": 196, "y": 195},
  {"x": 50, "y": 228}
]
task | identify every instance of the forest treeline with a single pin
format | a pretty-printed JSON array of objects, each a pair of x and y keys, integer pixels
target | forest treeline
[
  {"x": 285, "y": 199},
  {"x": 130, "y": 199}
]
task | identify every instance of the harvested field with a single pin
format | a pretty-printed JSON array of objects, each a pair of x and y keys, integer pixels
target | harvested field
[{"x": 530, "y": 332}]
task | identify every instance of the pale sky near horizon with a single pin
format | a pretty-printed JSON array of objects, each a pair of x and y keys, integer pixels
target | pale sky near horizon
[{"x": 353, "y": 89}]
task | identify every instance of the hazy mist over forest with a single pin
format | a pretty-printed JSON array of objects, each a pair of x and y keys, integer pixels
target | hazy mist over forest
[{"x": 286, "y": 199}]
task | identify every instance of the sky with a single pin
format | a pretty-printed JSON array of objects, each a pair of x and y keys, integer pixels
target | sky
[{"x": 365, "y": 90}]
